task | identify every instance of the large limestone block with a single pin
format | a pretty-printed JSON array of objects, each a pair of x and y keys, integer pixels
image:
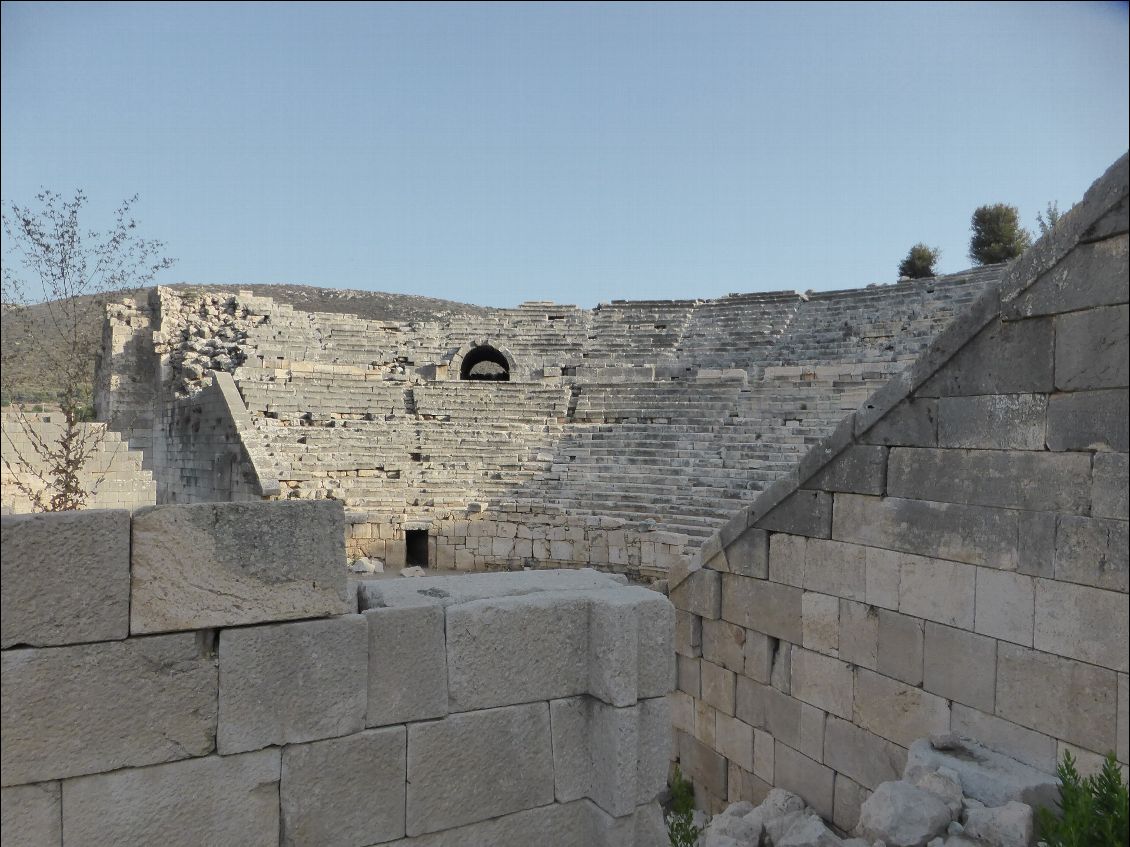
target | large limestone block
[
  {"x": 344, "y": 792},
  {"x": 596, "y": 753},
  {"x": 1005, "y": 737},
  {"x": 407, "y": 665},
  {"x": 96, "y": 707},
  {"x": 1083, "y": 623},
  {"x": 453, "y": 590},
  {"x": 30, "y": 815},
  {"x": 800, "y": 774},
  {"x": 64, "y": 578},
  {"x": 478, "y": 765},
  {"x": 765, "y": 606},
  {"x": 903, "y": 815},
  {"x": 895, "y": 711},
  {"x": 520, "y": 649},
  {"x": 213, "y": 800},
  {"x": 863, "y": 756},
  {"x": 986, "y": 776},
  {"x": 654, "y": 752},
  {"x": 224, "y": 564},
  {"x": 560, "y": 825},
  {"x": 292, "y": 682},
  {"x": 823, "y": 682},
  {"x": 960, "y": 666}
]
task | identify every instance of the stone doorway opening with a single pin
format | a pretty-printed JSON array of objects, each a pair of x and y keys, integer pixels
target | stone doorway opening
[
  {"x": 486, "y": 363},
  {"x": 416, "y": 547}
]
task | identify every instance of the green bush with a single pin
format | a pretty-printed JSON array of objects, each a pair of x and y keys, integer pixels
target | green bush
[
  {"x": 680, "y": 812},
  {"x": 919, "y": 262},
  {"x": 1093, "y": 810}
]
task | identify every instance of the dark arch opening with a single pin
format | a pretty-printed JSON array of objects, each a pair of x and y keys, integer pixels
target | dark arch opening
[{"x": 485, "y": 363}]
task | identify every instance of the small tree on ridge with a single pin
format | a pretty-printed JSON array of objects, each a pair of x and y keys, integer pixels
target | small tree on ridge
[
  {"x": 919, "y": 262},
  {"x": 997, "y": 234}
]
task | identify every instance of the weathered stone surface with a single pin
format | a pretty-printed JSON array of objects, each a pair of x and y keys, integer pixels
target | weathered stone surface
[
  {"x": 1036, "y": 553},
  {"x": 823, "y": 682},
  {"x": 688, "y": 633},
  {"x": 897, "y": 712},
  {"x": 96, "y": 707},
  {"x": 787, "y": 558},
  {"x": 800, "y": 774},
  {"x": 655, "y": 650},
  {"x": 407, "y": 665},
  {"x": 1109, "y": 497},
  {"x": 1004, "y": 358},
  {"x": 718, "y": 687},
  {"x": 801, "y": 513},
  {"x": 1015, "y": 479},
  {"x": 700, "y": 593},
  {"x": 1089, "y": 420},
  {"x": 223, "y": 564},
  {"x": 845, "y": 813},
  {"x": 960, "y": 666},
  {"x": 1122, "y": 745},
  {"x": 702, "y": 764},
  {"x": 863, "y": 756},
  {"x": 478, "y": 765},
  {"x": 820, "y": 622},
  {"x": 765, "y": 606},
  {"x": 1005, "y": 826},
  {"x": 833, "y": 567},
  {"x": 1093, "y": 551},
  {"x": 344, "y": 791},
  {"x": 903, "y": 815},
  {"x": 463, "y": 588},
  {"x": 1083, "y": 712},
  {"x": 993, "y": 421},
  {"x": 596, "y": 751},
  {"x": 985, "y": 775},
  {"x": 1090, "y": 275},
  {"x": 859, "y": 634},
  {"x": 1005, "y": 605},
  {"x": 724, "y": 644},
  {"x": 213, "y": 800},
  {"x": 72, "y": 590},
  {"x": 654, "y": 754},
  {"x": 977, "y": 535},
  {"x": 749, "y": 554},
  {"x": 1092, "y": 349},
  {"x": 513, "y": 650},
  {"x": 900, "y": 646},
  {"x": 735, "y": 740},
  {"x": 1083, "y": 623},
  {"x": 1005, "y": 737},
  {"x": 937, "y": 590},
  {"x": 567, "y": 824},
  {"x": 860, "y": 468},
  {"x": 809, "y": 832},
  {"x": 31, "y": 815},
  {"x": 912, "y": 423},
  {"x": 292, "y": 682}
]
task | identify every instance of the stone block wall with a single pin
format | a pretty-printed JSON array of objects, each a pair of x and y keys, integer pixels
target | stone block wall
[
  {"x": 200, "y": 674},
  {"x": 952, "y": 558}
]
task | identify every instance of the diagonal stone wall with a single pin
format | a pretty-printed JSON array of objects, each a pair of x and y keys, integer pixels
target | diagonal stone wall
[
  {"x": 952, "y": 558},
  {"x": 203, "y": 674}
]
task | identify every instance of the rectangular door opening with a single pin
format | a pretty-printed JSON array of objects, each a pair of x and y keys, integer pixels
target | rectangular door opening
[{"x": 416, "y": 547}]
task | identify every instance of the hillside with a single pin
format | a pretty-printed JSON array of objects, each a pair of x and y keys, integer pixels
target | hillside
[{"x": 25, "y": 343}]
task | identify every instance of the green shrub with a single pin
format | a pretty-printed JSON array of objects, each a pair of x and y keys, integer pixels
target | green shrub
[
  {"x": 1093, "y": 810},
  {"x": 680, "y": 812}
]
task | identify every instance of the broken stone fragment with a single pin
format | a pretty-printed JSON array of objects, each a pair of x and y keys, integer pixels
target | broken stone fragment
[
  {"x": 903, "y": 815},
  {"x": 1003, "y": 826}
]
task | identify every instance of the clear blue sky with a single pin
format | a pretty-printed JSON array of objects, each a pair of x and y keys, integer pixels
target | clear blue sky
[{"x": 579, "y": 153}]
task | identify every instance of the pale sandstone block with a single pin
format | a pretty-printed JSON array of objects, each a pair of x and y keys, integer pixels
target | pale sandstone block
[
  {"x": 595, "y": 753},
  {"x": 705, "y": 723},
  {"x": 862, "y": 755},
  {"x": 884, "y": 572},
  {"x": 223, "y": 564},
  {"x": 688, "y": 633},
  {"x": 849, "y": 798},
  {"x": 735, "y": 740},
  {"x": 718, "y": 687},
  {"x": 1109, "y": 493},
  {"x": 97, "y": 707},
  {"x": 689, "y": 677},
  {"x": 344, "y": 791},
  {"x": 759, "y": 652},
  {"x": 938, "y": 590},
  {"x": 407, "y": 665},
  {"x": 292, "y": 682},
  {"x": 900, "y": 646},
  {"x": 655, "y": 752},
  {"x": 655, "y": 653},
  {"x": 1092, "y": 551},
  {"x": 786, "y": 558},
  {"x": 31, "y": 815},
  {"x": 212, "y": 800},
  {"x": 811, "y": 780},
  {"x": 823, "y": 682},
  {"x": 1083, "y": 623},
  {"x": 960, "y": 666},
  {"x": 1084, "y": 710},
  {"x": 763, "y": 755},
  {"x": 700, "y": 593},
  {"x": 768, "y": 607},
  {"x": 682, "y": 711},
  {"x": 859, "y": 634},
  {"x": 513, "y": 650},
  {"x": 812, "y": 732},
  {"x": 1024, "y": 745},
  {"x": 478, "y": 765},
  {"x": 64, "y": 578},
  {"x": 724, "y": 644},
  {"x": 895, "y": 711},
  {"x": 820, "y": 622},
  {"x": 833, "y": 567},
  {"x": 565, "y": 824},
  {"x": 1005, "y": 605}
]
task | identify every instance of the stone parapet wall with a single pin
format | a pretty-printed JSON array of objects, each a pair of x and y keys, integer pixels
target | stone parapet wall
[
  {"x": 952, "y": 558},
  {"x": 202, "y": 674}
]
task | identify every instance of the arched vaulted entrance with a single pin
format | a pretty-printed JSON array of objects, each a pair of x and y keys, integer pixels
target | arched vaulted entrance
[{"x": 481, "y": 360}]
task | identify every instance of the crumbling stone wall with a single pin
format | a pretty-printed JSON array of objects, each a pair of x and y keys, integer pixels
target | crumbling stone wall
[
  {"x": 952, "y": 558},
  {"x": 203, "y": 674}
]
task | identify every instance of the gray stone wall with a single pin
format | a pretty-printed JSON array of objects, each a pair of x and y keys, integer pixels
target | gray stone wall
[
  {"x": 203, "y": 674},
  {"x": 952, "y": 558}
]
